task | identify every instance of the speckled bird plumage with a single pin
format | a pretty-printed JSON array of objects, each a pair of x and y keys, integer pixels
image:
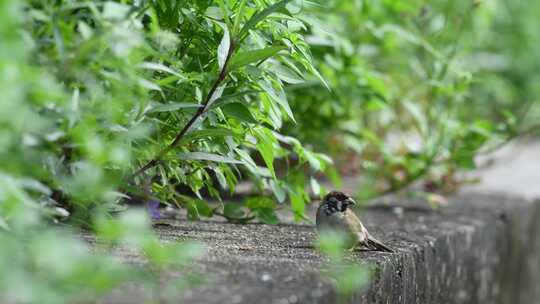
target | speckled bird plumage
[{"x": 334, "y": 213}]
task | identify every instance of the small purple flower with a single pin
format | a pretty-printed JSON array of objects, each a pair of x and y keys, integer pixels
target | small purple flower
[{"x": 153, "y": 209}]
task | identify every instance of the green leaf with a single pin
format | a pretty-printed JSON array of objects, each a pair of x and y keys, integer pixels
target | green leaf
[
  {"x": 239, "y": 15},
  {"x": 34, "y": 185},
  {"x": 238, "y": 111},
  {"x": 214, "y": 12},
  {"x": 223, "y": 48},
  {"x": 277, "y": 95},
  {"x": 465, "y": 159},
  {"x": 149, "y": 85},
  {"x": 483, "y": 127},
  {"x": 114, "y": 11},
  {"x": 263, "y": 207},
  {"x": 249, "y": 163},
  {"x": 192, "y": 212},
  {"x": 166, "y": 81},
  {"x": 215, "y": 96},
  {"x": 232, "y": 98},
  {"x": 159, "y": 67},
  {"x": 375, "y": 105},
  {"x": 259, "y": 202},
  {"x": 204, "y": 133},
  {"x": 274, "y": 111},
  {"x": 313, "y": 161},
  {"x": 267, "y": 216},
  {"x": 419, "y": 117},
  {"x": 334, "y": 176},
  {"x": 308, "y": 63},
  {"x": 278, "y": 190},
  {"x": 296, "y": 6},
  {"x": 207, "y": 156},
  {"x": 259, "y": 16},
  {"x": 350, "y": 278},
  {"x": 3, "y": 224},
  {"x": 286, "y": 74},
  {"x": 222, "y": 180},
  {"x": 244, "y": 58},
  {"x": 203, "y": 208},
  {"x": 175, "y": 106},
  {"x": 332, "y": 243},
  {"x": 315, "y": 186},
  {"x": 233, "y": 210},
  {"x": 265, "y": 144},
  {"x": 297, "y": 205},
  {"x": 225, "y": 12}
]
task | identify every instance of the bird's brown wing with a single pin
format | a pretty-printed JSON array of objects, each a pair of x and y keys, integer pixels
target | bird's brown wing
[
  {"x": 356, "y": 227},
  {"x": 350, "y": 224},
  {"x": 364, "y": 238}
]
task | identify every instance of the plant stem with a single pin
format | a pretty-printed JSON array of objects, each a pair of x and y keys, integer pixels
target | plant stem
[{"x": 222, "y": 75}]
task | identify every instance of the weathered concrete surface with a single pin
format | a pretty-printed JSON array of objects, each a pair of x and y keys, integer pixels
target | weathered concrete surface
[
  {"x": 514, "y": 169},
  {"x": 480, "y": 249}
]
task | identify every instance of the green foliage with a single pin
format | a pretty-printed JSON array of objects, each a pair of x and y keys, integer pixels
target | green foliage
[
  {"x": 261, "y": 208},
  {"x": 414, "y": 94},
  {"x": 504, "y": 43},
  {"x": 347, "y": 276},
  {"x": 101, "y": 98},
  {"x": 226, "y": 73}
]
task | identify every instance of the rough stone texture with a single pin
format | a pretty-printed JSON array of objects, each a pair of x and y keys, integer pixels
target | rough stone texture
[
  {"x": 520, "y": 272},
  {"x": 479, "y": 249},
  {"x": 482, "y": 248}
]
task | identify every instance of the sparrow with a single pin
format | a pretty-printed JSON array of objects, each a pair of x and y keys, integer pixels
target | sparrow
[{"x": 334, "y": 214}]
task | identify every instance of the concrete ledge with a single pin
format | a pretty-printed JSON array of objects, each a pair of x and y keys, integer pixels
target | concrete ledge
[
  {"x": 476, "y": 251},
  {"x": 480, "y": 249}
]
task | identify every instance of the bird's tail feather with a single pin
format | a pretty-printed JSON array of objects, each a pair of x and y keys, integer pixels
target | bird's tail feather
[{"x": 375, "y": 244}]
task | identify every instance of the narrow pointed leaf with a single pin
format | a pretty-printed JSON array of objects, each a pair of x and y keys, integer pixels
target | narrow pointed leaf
[
  {"x": 236, "y": 97},
  {"x": 208, "y": 156},
  {"x": 223, "y": 48},
  {"x": 159, "y": 67},
  {"x": 257, "y": 17},
  {"x": 239, "y": 15},
  {"x": 175, "y": 106},
  {"x": 244, "y": 58},
  {"x": 238, "y": 111},
  {"x": 216, "y": 95},
  {"x": 265, "y": 145},
  {"x": 277, "y": 95},
  {"x": 218, "y": 132}
]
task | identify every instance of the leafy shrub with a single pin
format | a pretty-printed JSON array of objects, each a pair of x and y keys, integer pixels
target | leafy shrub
[
  {"x": 408, "y": 100},
  {"x": 108, "y": 101}
]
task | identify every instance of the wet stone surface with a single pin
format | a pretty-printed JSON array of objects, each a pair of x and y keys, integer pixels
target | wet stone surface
[{"x": 476, "y": 250}]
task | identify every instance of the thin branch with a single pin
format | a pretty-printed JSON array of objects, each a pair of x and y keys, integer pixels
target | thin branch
[{"x": 222, "y": 75}]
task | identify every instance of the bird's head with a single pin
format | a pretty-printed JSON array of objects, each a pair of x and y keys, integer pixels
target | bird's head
[{"x": 338, "y": 201}]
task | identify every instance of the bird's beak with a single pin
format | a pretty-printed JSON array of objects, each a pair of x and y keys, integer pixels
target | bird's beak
[{"x": 351, "y": 202}]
